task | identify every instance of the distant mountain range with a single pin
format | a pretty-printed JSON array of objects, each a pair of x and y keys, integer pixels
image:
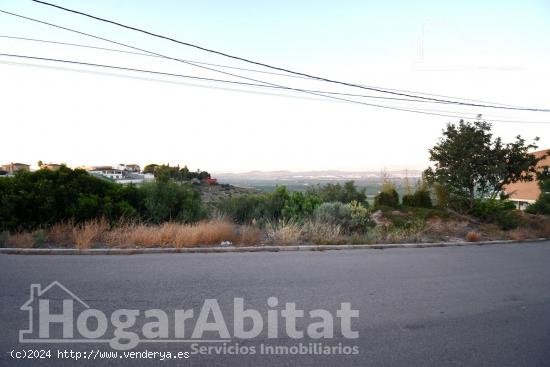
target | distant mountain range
[{"x": 329, "y": 175}]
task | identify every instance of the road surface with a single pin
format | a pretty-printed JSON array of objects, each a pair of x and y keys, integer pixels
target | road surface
[{"x": 453, "y": 306}]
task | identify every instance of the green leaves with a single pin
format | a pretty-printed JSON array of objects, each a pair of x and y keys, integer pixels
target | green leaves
[{"x": 470, "y": 164}]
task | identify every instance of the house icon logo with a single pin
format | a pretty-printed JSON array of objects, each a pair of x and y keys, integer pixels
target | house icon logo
[
  {"x": 56, "y": 315},
  {"x": 46, "y": 323}
]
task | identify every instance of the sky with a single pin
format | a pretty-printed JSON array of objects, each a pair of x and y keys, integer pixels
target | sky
[{"x": 495, "y": 51}]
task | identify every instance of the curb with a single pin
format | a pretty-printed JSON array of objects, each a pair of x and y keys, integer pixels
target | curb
[{"x": 172, "y": 250}]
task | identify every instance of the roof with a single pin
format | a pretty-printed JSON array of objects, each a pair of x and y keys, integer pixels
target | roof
[
  {"x": 528, "y": 191},
  {"x": 17, "y": 164}
]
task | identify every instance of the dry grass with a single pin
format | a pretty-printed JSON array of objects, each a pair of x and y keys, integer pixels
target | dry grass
[
  {"x": 283, "y": 233},
  {"x": 172, "y": 234},
  {"x": 20, "y": 240},
  {"x": 448, "y": 228},
  {"x": 518, "y": 234},
  {"x": 86, "y": 233},
  {"x": 473, "y": 236},
  {"x": 205, "y": 233},
  {"x": 538, "y": 225},
  {"x": 322, "y": 233},
  {"x": 61, "y": 234},
  {"x": 250, "y": 235},
  {"x": 219, "y": 229}
]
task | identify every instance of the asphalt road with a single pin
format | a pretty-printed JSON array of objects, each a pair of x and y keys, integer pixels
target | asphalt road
[{"x": 454, "y": 306}]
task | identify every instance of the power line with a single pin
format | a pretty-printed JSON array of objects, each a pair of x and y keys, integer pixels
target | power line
[
  {"x": 151, "y": 52},
  {"x": 245, "y": 84},
  {"x": 279, "y": 68},
  {"x": 204, "y": 63},
  {"x": 316, "y": 93}
]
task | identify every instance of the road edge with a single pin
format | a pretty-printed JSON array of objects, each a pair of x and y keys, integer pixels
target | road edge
[{"x": 226, "y": 249}]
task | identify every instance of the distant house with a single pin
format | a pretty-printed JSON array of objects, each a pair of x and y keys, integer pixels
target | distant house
[
  {"x": 122, "y": 174},
  {"x": 525, "y": 193},
  {"x": 10, "y": 168},
  {"x": 129, "y": 167},
  {"x": 107, "y": 172},
  {"x": 51, "y": 166}
]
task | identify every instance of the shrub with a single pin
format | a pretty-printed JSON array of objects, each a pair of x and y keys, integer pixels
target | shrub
[
  {"x": 3, "y": 238},
  {"x": 300, "y": 206},
  {"x": 409, "y": 232},
  {"x": 170, "y": 201},
  {"x": 245, "y": 208},
  {"x": 542, "y": 205},
  {"x": 360, "y": 217},
  {"x": 343, "y": 193},
  {"x": 333, "y": 213},
  {"x": 39, "y": 238},
  {"x": 261, "y": 208},
  {"x": 420, "y": 199},
  {"x": 501, "y": 212},
  {"x": 387, "y": 198},
  {"x": 352, "y": 217},
  {"x": 473, "y": 236}
]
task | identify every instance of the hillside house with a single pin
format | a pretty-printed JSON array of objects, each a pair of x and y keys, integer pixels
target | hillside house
[
  {"x": 10, "y": 168},
  {"x": 525, "y": 193}
]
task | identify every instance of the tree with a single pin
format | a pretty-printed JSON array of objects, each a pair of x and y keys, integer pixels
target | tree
[
  {"x": 470, "y": 164},
  {"x": 542, "y": 205},
  {"x": 150, "y": 168}
]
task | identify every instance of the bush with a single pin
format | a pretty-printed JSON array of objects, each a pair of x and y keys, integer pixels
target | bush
[
  {"x": 360, "y": 217},
  {"x": 3, "y": 238},
  {"x": 473, "y": 236},
  {"x": 420, "y": 199},
  {"x": 333, "y": 213},
  {"x": 279, "y": 204},
  {"x": 170, "y": 201},
  {"x": 542, "y": 205},
  {"x": 343, "y": 193},
  {"x": 244, "y": 208},
  {"x": 30, "y": 200},
  {"x": 300, "y": 206},
  {"x": 352, "y": 217},
  {"x": 387, "y": 198},
  {"x": 501, "y": 212}
]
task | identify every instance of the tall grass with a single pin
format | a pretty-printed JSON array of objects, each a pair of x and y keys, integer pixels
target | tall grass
[
  {"x": 283, "y": 232},
  {"x": 86, "y": 233},
  {"x": 323, "y": 233},
  {"x": 20, "y": 240},
  {"x": 172, "y": 234}
]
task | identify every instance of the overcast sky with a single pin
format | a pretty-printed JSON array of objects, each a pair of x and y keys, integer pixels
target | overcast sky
[{"x": 487, "y": 50}]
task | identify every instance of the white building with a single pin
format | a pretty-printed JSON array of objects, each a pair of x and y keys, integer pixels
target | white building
[{"x": 122, "y": 174}]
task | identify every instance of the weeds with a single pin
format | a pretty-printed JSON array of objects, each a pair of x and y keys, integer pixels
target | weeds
[
  {"x": 84, "y": 234},
  {"x": 283, "y": 232}
]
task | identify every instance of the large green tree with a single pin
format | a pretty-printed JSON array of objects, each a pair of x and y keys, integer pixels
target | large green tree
[{"x": 470, "y": 163}]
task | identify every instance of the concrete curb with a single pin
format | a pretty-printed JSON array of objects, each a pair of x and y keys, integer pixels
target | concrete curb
[{"x": 171, "y": 250}]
